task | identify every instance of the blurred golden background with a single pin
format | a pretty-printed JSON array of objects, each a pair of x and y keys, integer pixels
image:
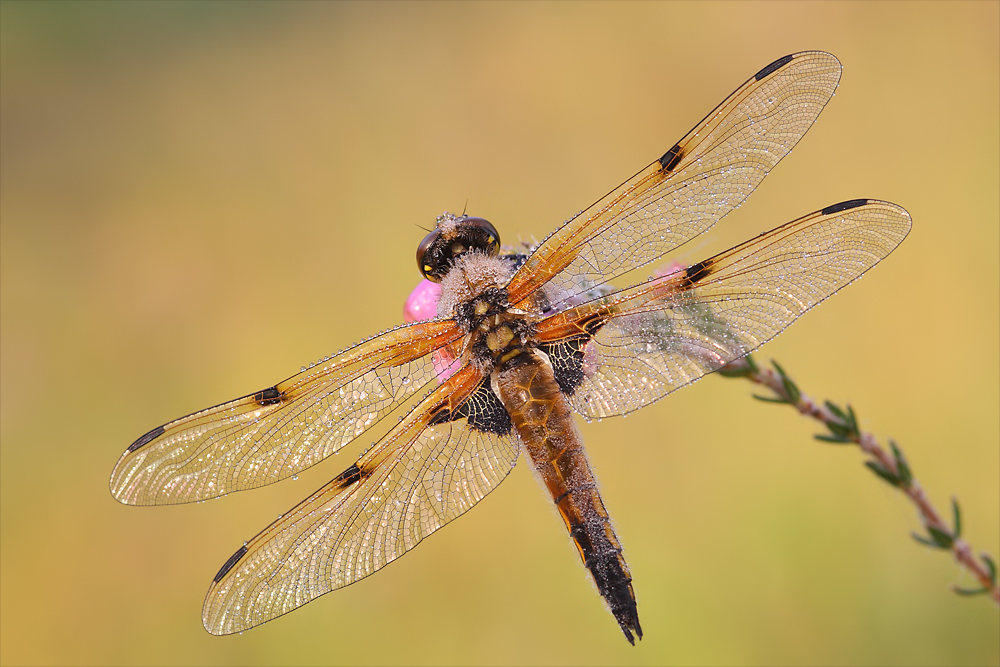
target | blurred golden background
[{"x": 197, "y": 199}]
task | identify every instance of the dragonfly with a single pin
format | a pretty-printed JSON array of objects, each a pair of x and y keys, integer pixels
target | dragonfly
[{"x": 517, "y": 343}]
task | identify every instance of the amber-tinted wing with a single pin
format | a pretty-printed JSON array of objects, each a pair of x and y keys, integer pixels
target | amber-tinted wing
[
  {"x": 281, "y": 430},
  {"x": 456, "y": 446},
  {"x": 630, "y": 348},
  {"x": 704, "y": 176}
]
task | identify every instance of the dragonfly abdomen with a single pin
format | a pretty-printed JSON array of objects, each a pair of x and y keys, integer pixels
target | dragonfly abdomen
[{"x": 544, "y": 421}]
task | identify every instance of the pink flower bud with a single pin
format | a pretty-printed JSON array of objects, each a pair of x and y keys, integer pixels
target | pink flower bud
[
  {"x": 422, "y": 305},
  {"x": 422, "y": 302}
]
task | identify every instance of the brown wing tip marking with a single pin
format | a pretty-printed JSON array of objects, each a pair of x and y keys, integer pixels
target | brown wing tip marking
[
  {"x": 233, "y": 560},
  {"x": 697, "y": 272},
  {"x": 770, "y": 69},
  {"x": 670, "y": 159},
  {"x": 146, "y": 439},
  {"x": 843, "y": 206},
  {"x": 269, "y": 396}
]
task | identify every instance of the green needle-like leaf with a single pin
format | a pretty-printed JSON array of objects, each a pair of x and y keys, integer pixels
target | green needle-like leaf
[
  {"x": 877, "y": 468},
  {"x": 957, "y": 514},
  {"x": 970, "y": 591},
  {"x": 852, "y": 418},
  {"x": 839, "y": 429},
  {"x": 791, "y": 391},
  {"x": 837, "y": 412},
  {"x": 941, "y": 538},
  {"x": 770, "y": 399},
  {"x": 923, "y": 540},
  {"x": 834, "y": 439},
  {"x": 905, "y": 475},
  {"x": 746, "y": 369},
  {"x": 991, "y": 566}
]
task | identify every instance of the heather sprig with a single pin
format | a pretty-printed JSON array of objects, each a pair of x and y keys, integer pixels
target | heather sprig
[{"x": 890, "y": 466}]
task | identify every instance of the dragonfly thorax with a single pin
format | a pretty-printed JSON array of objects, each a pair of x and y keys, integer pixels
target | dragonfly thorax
[
  {"x": 474, "y": 293},
  {"x": 473, "y": 276}
]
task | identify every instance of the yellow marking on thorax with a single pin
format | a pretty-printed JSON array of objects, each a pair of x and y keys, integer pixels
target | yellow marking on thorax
[{"x": 497, "y": 339}]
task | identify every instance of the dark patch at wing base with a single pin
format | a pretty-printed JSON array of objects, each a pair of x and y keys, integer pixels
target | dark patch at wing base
[
  {"x": 442, "y": 417},
  {"x": 233, "y": 560},
  {"x": 566, "y": 358},
  {"x": 146, "y": 439},
  {"x": 843, "y": 206},
  {"x": 776, "y": 65},
  {"x": 482, "y": 409}
]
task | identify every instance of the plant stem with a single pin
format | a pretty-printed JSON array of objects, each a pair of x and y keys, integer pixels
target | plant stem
[{"x": 890, "y": 466}]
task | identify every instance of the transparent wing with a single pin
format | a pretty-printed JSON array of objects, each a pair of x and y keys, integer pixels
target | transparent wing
[
  {"x": 631, "y": 348},
  {"x": 699, "y": 180},
  {"x": 440, "y": 461},
  {"x": 281, "y": 430}
]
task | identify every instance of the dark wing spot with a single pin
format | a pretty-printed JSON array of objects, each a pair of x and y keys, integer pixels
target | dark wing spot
[
  {"x": 844, "y": 206},
  {"x": 146, "y": 439},
  {"x": 350, "y": 476},
  {"x": 776, "y": 65},
  {"x": 233, "y": 560},
  {"x": 671, "y": 158},
  {"x": 482, "y": 409},
  {"x": 268, "y": 396},
  {"x": 566, "y": 358},
  {"x": 595, "y": 324},
  {"x": 443, "y": 416},
  {"x": 697, "y": 272},
  {"x": 485, "y": 412}
]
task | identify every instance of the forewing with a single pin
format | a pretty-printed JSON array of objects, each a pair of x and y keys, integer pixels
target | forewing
[
  {"x": 281, "y": 430},
  {"x": 699, "y": 180},
  {"x": 631, "y": 348},
  {"x": 448, "y": 453}
]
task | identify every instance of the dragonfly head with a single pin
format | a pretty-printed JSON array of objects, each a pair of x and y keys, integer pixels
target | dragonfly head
[{"x": 454, "y": 236}]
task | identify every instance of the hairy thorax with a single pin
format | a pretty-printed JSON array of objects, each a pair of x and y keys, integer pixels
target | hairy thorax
[{"x": 473, "y": 293}]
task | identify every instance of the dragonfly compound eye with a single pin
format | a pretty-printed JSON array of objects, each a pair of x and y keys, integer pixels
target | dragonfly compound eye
[
  {"x": 426, "y": 259},
  {"x": 444, "y": 245}
]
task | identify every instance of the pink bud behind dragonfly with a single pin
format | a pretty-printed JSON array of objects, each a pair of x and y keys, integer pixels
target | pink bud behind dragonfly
[{"x": 422, "y": 305}]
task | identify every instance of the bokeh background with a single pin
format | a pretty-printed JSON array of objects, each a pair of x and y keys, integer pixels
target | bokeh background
[{"x": 197, "y": 199}]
